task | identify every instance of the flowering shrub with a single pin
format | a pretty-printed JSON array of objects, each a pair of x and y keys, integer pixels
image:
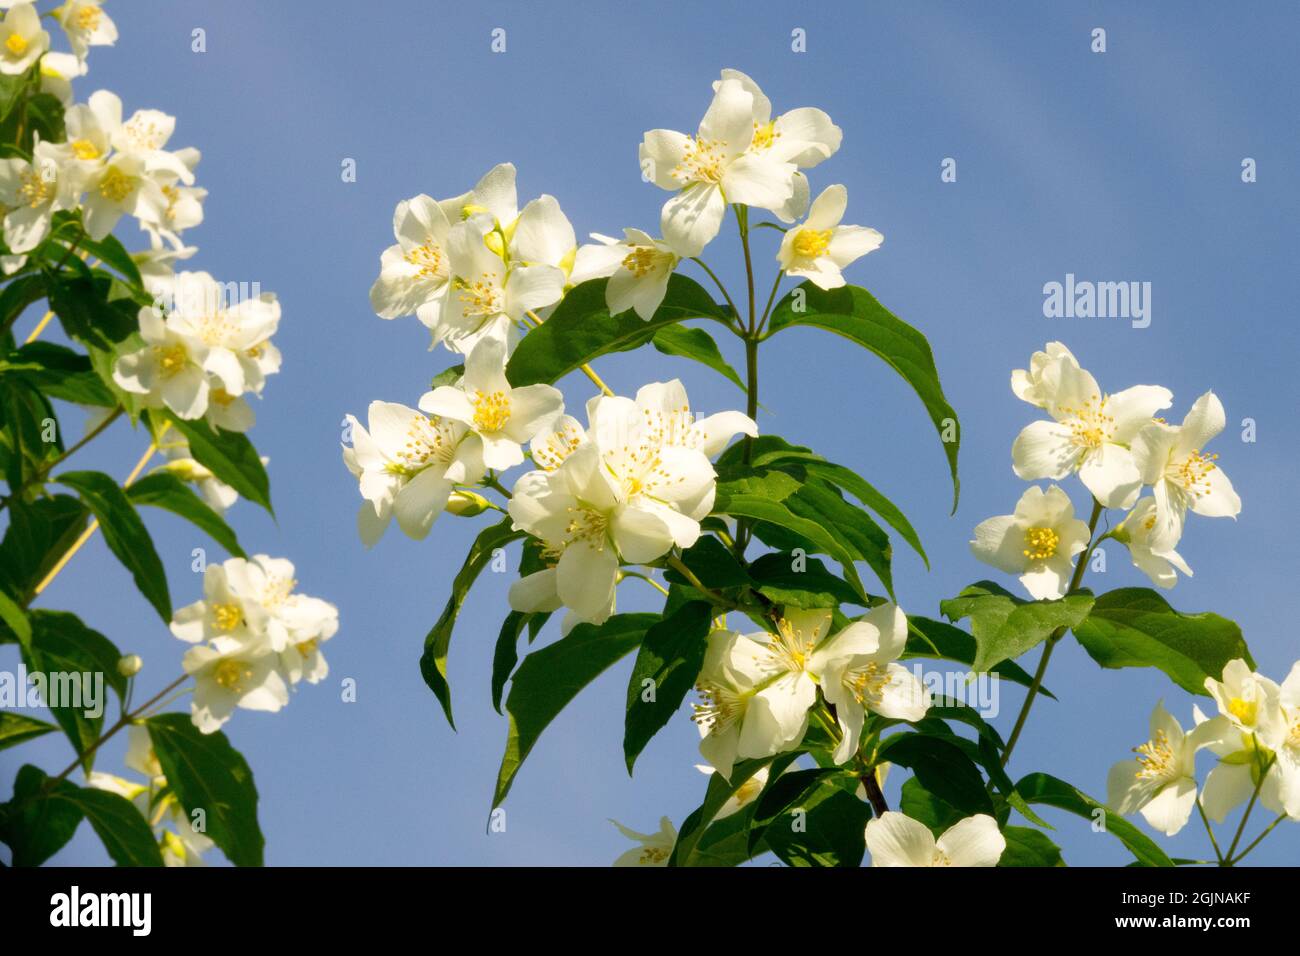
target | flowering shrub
[
  {"x": 179, "y": 354},
  {"x": 801, "y": 700}
]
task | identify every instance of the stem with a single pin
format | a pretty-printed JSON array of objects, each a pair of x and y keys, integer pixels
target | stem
[
  {"x": 648, "y": 580},
  {"x": 1055, "y": 636},
  {"x": 121, "y": 722},
  {"x": 1254, "y": 843},
  {"x": 1218, "y": 854},
  {"x": 1241, "y": 827},
  {"x": 874, "y": 793},
  {"x": 680, "y": 567},
  {"x": 40, "y": 327},
  {"x": 586, "y": 369},
  {"x": 751, "y": 364},
  {"x": 771, "y": 297},
  {"x": 94, "y": 525},
  {"x": 51, "y": 465},
  {"x": 718, "y": 282}
]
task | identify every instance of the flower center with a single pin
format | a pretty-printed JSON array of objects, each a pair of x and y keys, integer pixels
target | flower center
[
  {"x": 227, "y": 617},
  {"x": 643, "y": 260},
  {"x": 427, "y": 258},
  {"x": 811, "y": 243},
  {"x": 491, "y": 410},
  {"x": 549, "y": 453},
  {"x": 764, "y": 135},
  {"x": 1156, "y": 757},
  {"x": 230, "y": 673},
  {"x": 481, "y": 297},
  {"x": 1244, "y": 710},
  {"x": 1040, "y": 543},
  {"x": 307, "y": 648},
  {"x": 116, "y": 185},
  {"x": 866, "y": 684},
  {"x": 652, "y": 855},
  {"x": 791, "y": 648},
  {"x": 427, "y": 441},
  {"x": 702, "y": 161},
  {"x": 16, "y": 44},
  {"x": 586, "y": 524},
  {"x": 1090, "y": 426},
  {"x": 219, "y": 396},
  {"x": 171, "y": 359},
  {"x": 718, "y": 709},
  {"x": 85, "y": 149},
  {"x": 88, "y": 17},
  {"x": 1193, "y": 472},
  {"x": 35, "y": 190}
]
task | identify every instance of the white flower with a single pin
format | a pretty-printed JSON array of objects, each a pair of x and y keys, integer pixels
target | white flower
[
  {"x": 744, "y": 795},
  {"x": 230, "y": 673},
  {"x": 1243, "y": 758},
  {"x": 1090, "y": 433},
  {"x": 1288, "y": 743},
  {"x": 415, "y": 273},
  {"x": 140, "y": 756},
  {"x": 1249, "y": 700},
  {"x": 1136, "y": 532},
  {"x": 543, "y": 235},
  {"x": 1038, "y": 542},
  {"x": 90, "y": 127},
  {"x": 407, "y": 464},
  {"x": 235, "y": 335},
  {"x": 638, "y": 269},
  {"x": 804, "y": 136},
  {"x": 894, "y": 839},
  {"x": 1161, "y": 782},
  {"x": 231, "y": 607},
  {"x": 858, "y": 675},
  {"x": 489, "y": 294},
  {"x": 32, "y": 193},
  {"x": 502, "y": 416},
  {"x": 87, "y": 25},
  {"x": 157, "y": 266},
  {"x": 122, "y": 185},
  {"x": 655, "y": 848},
  {"x": 713, "y": 168},
  {"x": 57, "y": 73},
  {"x": 168, "y": 370},
  {"x": 821, "y": 247},
  {"x": 1039, "y": 384},
  {"x": 22, "y": 41},
  {"x": 494, "y": 196},
  {"x": 734, "y": 668},
  {"x": 1172, "y": 459}
]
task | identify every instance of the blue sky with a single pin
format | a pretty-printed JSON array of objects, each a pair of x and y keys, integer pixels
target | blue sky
[{"x": 1116, "y": 166}]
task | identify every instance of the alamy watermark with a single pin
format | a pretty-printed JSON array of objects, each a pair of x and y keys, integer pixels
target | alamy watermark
[
  {"x": 72, "y": 690},
  {"x": 1082, "y": 299}
]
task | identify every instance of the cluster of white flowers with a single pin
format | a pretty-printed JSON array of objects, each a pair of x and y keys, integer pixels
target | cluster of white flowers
[
  {"x": 1117, "y": 446},
  {"x": 759, "y": 689},
  {"x": 182, "y": 842},
  {"x": 1256, "y": 737},
  {"x": 205, "y": 348},
  {"x": 255, "y": 638}
]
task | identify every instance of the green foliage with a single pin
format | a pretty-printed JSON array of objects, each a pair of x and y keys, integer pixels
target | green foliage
[
  {"x": 166, "y": 491},
  {"x": 230, "y": 456},
  {"x": 207, "y": 774},
  {"x": 1048, "y": 790},
  {"x": 697, "y": 345},
  {"x": 1006, "y": 626},
  {"x": 671, "y": 655},
  {"x": 1136, "y": 627}
]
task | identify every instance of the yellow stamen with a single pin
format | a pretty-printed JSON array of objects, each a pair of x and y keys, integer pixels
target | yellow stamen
[
  {"x": 811, "y": 243},
  {"x": 1041, "y": 543}
]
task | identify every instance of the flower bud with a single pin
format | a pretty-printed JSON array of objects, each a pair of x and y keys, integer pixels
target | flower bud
[
  {"x": 129, "y": 665},
  {"x": 467, "y": 504}
]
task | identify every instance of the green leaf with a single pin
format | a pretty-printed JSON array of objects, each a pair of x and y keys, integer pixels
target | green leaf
[
  {"x": 1136, "y": 627},
  {"x": 581, "y": 329},
  {"x": 691, "y": 835},
  {"x": 206, "y": 773},
  {"x": 19, "y": 728},
  {"x": 1053, "y": 792},
  {"x": 1027, "y": 847},
  {"x": 866, "y": 493},
  {"x": 922, "y": 805},
  {"x": 36, "y": 823},
  {"x": 854, "y": 528},
  {"x": 15, "y": 618},
  {"x": 62, "y": 645},
  {"x": 166, "y": 491},
  {"x": 38, "y": 535},
  {"x": 112, "y": 253},
  {"x": 1006, "y": 626},
  {"x": 230, "y": 456},
  {"x": 121, "y": 827},
  {"x": 713, "y": 563},
  {"x": 670, "y": 659},
  {"x": 60, "y": 373},
  {"x": 124, "y": 533},
  {"x": 45, "y": 118},
  {"x": 506, "y": 654},
  {"x": 433, "y": 663},
  {"x": 775, "y": 577},
  {"x": 87, "y": 312},
  {"x": 549, "y": 678},
  {"x": 449, "y": 376},
  {"x": 855, "y": 314},
  {"x": 698, "y": 345},
  {"x": 941, "y": 767},
  {"x": 17, "y": 295},
  {"x": 940, "y": 641},
  {"x": 813, "y": 818}
]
